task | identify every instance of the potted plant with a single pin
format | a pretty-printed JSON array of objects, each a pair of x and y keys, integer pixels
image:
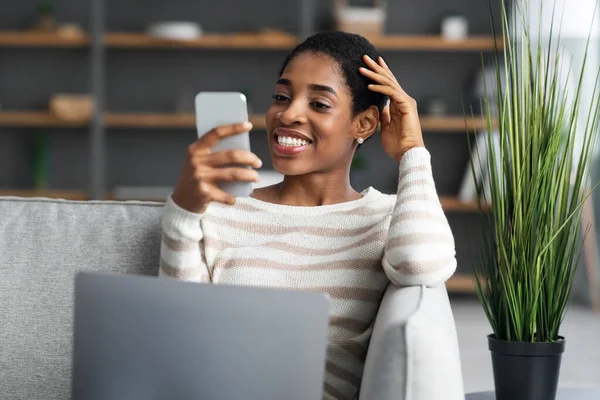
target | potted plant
[
  {"x": 538, "y": 176},
  {"x": 46, "y": 20}
]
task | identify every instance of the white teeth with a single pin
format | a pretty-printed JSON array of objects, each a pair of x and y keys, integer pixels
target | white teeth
[{"x": 291, "y": 142}]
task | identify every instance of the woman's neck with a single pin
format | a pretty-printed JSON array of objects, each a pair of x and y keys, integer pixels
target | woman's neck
[{"x": 309, "y": 190}]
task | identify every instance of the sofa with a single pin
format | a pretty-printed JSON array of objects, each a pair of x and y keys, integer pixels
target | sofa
[{"x": 413, "y": 354}]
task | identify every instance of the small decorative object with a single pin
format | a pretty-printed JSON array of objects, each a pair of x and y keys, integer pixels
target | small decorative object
[
  {"x": 175, "y": 30},
  {"x": 46, "y": 20},
  {"x": 436, "y": 107},
  {"x": 455, "y": 27},
  {"x": 70, "y": 31},
  {"x": 365, "y": 21},
  {"x": 72, "y": 107},
  {"x": 534, "y": 207}
]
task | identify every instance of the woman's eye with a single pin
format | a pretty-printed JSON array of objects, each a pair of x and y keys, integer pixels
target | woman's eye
[
  {"x": 279, "y": 97},
  {"x": 319, "y": 105}
]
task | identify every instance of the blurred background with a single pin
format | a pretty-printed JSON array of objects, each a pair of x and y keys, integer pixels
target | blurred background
[
  {"x": 96, "y": 102},
  {"x": 96, "y": 96}
]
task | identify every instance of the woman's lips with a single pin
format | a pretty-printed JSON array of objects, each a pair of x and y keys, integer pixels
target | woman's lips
[{"x": 288, "y": 150}]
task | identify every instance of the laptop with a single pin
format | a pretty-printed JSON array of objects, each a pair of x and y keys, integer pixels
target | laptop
[{"x": 138, "y": 337}]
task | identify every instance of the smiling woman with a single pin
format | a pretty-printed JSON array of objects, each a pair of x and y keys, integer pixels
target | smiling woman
[{"x": 313, "y": 231}]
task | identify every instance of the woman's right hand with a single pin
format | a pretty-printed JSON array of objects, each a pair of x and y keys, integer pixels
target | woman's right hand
[{"x": 203, "y": 170}]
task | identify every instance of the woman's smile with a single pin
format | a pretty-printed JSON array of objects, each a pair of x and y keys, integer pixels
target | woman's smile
[{"x": 287, "y": 142}]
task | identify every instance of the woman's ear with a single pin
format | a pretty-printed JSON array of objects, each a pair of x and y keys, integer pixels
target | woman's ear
[{"x": 366, "y": 123}]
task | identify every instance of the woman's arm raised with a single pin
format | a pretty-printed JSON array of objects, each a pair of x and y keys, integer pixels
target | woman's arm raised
[{"x": 419, "y": 248}]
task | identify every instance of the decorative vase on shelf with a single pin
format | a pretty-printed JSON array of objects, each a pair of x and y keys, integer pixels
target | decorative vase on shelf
[
  {"x": 46, "y": 19},
  {"x": 454, "y": 27},
  {"x": 538, "y": 179},
  {"x": 365, "y": 21}
]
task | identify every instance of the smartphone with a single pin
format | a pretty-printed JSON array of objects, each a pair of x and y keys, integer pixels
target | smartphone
[{"x": 223, "y": 108}]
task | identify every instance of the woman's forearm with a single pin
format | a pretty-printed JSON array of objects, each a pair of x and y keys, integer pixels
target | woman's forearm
[{"x": 181, "y": 254}]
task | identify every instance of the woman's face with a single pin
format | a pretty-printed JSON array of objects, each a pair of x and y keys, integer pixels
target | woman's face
[{"x": 309, "y": 122}]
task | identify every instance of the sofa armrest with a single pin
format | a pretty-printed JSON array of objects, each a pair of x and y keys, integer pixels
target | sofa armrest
[{"x": 413, "y": 354}]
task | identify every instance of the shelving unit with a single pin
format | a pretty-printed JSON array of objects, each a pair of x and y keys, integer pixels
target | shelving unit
[
  {"x": 214, "y": 41},
  {"x": 447, "y": 124},
  {"x": 249, "y": 41},
  {"x": 98, "y": 42}
]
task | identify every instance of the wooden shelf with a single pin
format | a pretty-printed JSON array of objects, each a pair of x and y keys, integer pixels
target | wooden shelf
[
  {"x": 51, "y": 194},
  {"x": 36, "y": 119},
  {"x": 434, "y": 43},
  {"x": 214, "y": 41},
  {"x": 240, "y": 41},
  {"x": 40, "y": 39},
  {"x": 113, "y": 120},
  {"x": 142, "y": 120},
  {"x": 453, "y": 204},
  {"x": 451, "y": 124},
  {"x": 456, "y": 124},
  {"x": 277, "y": 41},
  {"x": 461, "y": 283}
]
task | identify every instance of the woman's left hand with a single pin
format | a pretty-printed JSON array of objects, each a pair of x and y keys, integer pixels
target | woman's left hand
[{"x": 400, "y": 126}]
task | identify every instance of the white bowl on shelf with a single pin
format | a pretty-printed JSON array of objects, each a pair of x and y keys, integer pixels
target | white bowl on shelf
[{"x": 175, "y": 30}]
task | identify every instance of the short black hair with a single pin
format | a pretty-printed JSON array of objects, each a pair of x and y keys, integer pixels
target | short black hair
[{"x": 347, "y": 50}]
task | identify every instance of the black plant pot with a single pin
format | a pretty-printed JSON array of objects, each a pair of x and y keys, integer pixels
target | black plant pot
[{"x": 526, "y": 371}]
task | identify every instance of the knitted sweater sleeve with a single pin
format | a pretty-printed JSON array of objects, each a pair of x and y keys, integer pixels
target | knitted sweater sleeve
[
  {"x": 181, "y": 253},
  {"x": 419, "y": 248}
]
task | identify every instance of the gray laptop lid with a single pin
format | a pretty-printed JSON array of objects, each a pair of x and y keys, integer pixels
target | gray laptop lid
[{"x": 148, "y": 338}]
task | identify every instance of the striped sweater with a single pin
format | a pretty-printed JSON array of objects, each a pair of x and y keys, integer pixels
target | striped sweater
[{"x": 350, "y": 250}]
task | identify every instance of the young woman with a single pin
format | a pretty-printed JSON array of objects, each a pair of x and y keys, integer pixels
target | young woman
[{"x": 313, "y": 231}]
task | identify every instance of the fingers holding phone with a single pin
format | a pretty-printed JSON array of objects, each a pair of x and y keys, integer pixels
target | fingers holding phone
[
  {"x": 204, "y": 171},
  {"x": 218, "y": 166}
]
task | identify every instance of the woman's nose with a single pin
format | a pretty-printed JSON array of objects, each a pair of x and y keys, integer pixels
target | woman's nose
[{"x": 294, "y": 114}]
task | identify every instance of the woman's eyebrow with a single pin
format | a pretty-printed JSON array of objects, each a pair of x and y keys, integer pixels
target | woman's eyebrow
[
  {"x": 312, "y": 86},
  {"x": 323, "y": 88}
]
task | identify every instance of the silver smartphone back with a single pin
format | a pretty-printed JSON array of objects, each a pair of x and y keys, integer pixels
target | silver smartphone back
[{"x": 214, "y": 109}]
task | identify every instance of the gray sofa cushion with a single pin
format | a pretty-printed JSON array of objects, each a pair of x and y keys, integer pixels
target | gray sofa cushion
[{"x": 42, "y": 244}]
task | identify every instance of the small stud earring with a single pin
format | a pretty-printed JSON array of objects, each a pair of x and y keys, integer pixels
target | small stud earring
[{"x": 360, "y": 140}]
